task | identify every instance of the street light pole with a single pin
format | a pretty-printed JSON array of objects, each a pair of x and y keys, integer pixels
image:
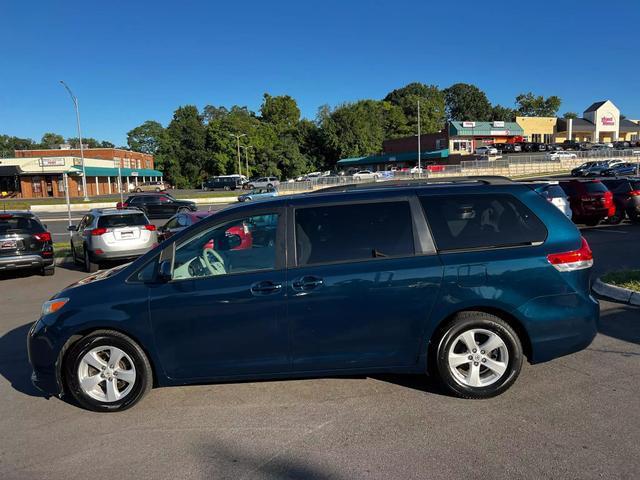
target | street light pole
[
  {"x": 246, "y": 158},
  {"x": 75, "y": 104},
  {"x": 419, "y": 159},
  {"x": 238, "y": 137}
]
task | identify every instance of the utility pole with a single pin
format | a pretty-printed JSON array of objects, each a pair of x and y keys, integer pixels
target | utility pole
[
  {"x": 419, "y": 159},
  {"x": 75, "y": 104},
  {"x": 238, "y": 137},
  {"x": 246, "y": 158}
]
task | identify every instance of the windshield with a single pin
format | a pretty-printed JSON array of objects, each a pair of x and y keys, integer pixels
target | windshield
[{"x": 124, "y": 220}]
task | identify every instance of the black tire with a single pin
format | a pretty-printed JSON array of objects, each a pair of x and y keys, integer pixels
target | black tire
[
  {"x": 183, "y": 210},
  {"x": 89, "y": 265},
  {"x": 141, "y": 386},
  {"x": 138, "y": 190},
  {"x": 269, "y": 185},
  {"x": 634, "y": 217},
  {"x": 466, "y": 321},
  {"x": 158, "y": 189},
  {"x": 592, "y": 222},
  {"x": 226, "y": 188},
  {"x": 205, "y": 189},
  {"x": 48, "y": 271}
]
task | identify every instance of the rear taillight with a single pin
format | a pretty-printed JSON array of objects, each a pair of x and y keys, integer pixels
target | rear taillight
[
  {"x": 608, "y": 198},
  {"x": 96, "y": 232},
  {"x": 634, "y": 193},
  {"x": 151, "y": 228},
  {"x": 5, "y": 216},
  {"x": 43, "y": 237},
  {"x": 573, "y": 260}
]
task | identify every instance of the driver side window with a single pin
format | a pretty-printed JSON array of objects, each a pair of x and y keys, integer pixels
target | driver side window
[{"x": 236, "y": 246}]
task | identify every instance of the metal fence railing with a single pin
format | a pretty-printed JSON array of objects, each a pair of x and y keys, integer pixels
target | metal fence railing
[{"x": 512, "y": 166}]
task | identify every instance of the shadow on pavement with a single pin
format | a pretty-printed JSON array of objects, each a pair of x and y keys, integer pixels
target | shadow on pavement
[
  {"x": 14, "y": 362},
  {"x": 620, "y": 321}
]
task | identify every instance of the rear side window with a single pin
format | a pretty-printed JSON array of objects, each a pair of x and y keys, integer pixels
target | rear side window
[
  {"x": 464, "y": 222},
  {"x": 18, "y": 224},
  {"x": 595, "y": 187},
  {"x": 555, "y": 191},
  {"x": 343, "y": 233},
  {"x": 113, "y": 221}
]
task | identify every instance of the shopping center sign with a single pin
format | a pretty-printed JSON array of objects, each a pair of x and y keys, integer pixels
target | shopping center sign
[{"x": 608, "y": 120}]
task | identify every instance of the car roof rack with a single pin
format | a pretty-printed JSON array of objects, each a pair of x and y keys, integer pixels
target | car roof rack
[{"x": 420, "y": 182}]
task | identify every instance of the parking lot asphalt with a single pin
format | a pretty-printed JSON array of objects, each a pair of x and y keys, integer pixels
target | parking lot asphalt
[{"x": 575, "y": 417}]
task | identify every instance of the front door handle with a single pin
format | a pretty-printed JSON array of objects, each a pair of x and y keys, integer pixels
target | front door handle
[
  {"x": 265, "y": 288},
  {"x": 307, "y": 283}
]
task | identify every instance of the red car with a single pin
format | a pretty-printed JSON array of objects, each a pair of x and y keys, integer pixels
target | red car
[
  {"x": 590, "y": 200},
  {"x": 181, "y": 221}
]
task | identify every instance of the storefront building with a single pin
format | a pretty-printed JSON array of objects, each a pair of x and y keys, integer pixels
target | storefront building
[
  {"x": 465, "y": 137},
  {"x": 41, "y": 177}
]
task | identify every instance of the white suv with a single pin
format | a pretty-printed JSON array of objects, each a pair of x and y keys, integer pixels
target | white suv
[{"x": 264, "y": 182}]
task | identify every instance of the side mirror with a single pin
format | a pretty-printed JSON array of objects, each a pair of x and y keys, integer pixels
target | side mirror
[
  {"x": 233, "y": 241},
  {"x": 164, "y": 271},
  {"x": 72, "y": 228}
]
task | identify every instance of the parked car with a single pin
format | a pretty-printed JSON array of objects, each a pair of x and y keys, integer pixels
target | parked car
[
  {"x": 461, "y": 280},
  {"x": 554, "y": 194},
  {"x": 626, "y": 196},
  {"x": 590, "y": 200},
  {"x": 25, "y": 243},
  {"x": 179, "y": 222},
  {"x": 554, "y": 147},
  {"x": 571, "y": 145},
  {"x": 598, "y": 170},
  {"x": 258, "y": 194},
  {"x": 621, "y": 169},
  {"x": 560, "y": 155},
  {"x": 365, "y": 175},
  {"x": 158, "y": 205},
  {"x": 263, "y": 182},
  {"x": 225, "y": 182},
  {"x": 106, "y": 234},
  {"x": 582, "y": 170},
  {"x": 150, "y": 187},
  {"x": 486, "y": 150}
]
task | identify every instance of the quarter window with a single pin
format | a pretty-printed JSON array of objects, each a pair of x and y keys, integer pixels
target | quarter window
[
  {"x": 237, "y": 246},
  {"x": 481, "y": 221},
  {"x": 354, "y": 232}
]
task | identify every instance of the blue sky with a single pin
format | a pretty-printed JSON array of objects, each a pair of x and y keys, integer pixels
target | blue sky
[{"x": 131, "y": 61}]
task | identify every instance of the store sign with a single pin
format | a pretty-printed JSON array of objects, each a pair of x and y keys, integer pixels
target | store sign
[
  {"x": 498, "y": 124},
  {"x": 608, "y": 120},
  {"x": 51, "y": 162},
  {"x": 500, "y": 132},
  {"x": 468, "y": 124},
  {"x": 134, "y": 174}
]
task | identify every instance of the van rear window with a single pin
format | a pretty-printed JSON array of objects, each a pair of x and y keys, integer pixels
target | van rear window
[
  {"x": 595, "y": 187},
  {"x": 465, "y": 222},
  {"x": 127, "y": 220}
]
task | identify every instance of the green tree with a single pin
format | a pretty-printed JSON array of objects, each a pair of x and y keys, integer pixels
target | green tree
[
  {"x": 465, "y": 102},
  {"x": 432, "y": 109},
  {"x": 51, "y": 140},
  {"x": 530, "y": 105},
  {"x": 184, "y": 152},
  {"x": 146, "y": 138},
  {"x": 569, "y": 115},
  {"x": 282, "y": 112},
  {"x": 9, "y": 144},
  {"x": 498, "y": 112}
]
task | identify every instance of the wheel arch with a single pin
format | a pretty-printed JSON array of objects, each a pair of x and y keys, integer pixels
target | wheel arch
[
  {"x": 73, "y": 339},
  {"x": 508, "y": 317}
]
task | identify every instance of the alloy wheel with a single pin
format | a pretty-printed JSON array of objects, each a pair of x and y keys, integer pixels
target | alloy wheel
[
  {"x": 106, "y": 374},
  {"x": 478, "y": 357}
]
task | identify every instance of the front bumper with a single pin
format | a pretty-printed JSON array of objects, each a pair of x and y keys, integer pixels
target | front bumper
[
  {"x": 24, "y": 261},
  {"x": 43, "y": 357}
]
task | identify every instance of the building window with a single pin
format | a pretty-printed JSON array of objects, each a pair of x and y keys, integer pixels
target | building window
[
  {"x": 36, "y": 185},
  {"x": 462, "y": 145},
  {"x": 126, "y": 163},
  {"x": 536, "y": 138},
  {"x": 548, "y": 138},
  {"x": 61, "y": 185}
]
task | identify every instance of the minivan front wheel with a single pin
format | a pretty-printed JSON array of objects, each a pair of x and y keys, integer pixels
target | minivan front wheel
[
  {"x": 479, "y": 356},
  {"x": 107, "y": 371}
]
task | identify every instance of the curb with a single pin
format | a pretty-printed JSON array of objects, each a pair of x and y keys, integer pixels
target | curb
[
  {"x": 616, "y": 293},
  {"x": 82, "y": 207}
]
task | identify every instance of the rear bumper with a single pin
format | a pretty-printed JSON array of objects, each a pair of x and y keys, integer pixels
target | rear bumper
[
  {"x": 24, "y": 261},
  {"x": 560, "y": 324},
  {"x": 121, "y": 254}
]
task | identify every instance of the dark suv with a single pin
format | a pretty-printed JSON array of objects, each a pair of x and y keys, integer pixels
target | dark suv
[
  {"x": 25, "y": 243},
  {"x": 158, "y": 205},
  {"x": 462, "y": 280},
  {"x": 626, "y": 195},
  {"x": 590, "y": 200}
]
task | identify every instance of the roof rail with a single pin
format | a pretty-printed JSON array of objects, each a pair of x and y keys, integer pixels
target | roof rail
[{"x": 419, "y": 182}]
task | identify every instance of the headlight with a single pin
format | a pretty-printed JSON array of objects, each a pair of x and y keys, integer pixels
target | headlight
[{"x": 54, "y": 305}]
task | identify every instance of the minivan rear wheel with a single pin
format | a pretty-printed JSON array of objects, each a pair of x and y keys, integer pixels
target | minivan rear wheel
[
  {"x": 479, "y": 355},
  {"x": 107, "y": 371}
]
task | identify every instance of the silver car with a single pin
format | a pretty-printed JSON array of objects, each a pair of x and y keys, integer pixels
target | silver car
[{"x": 111, "y": 234}]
